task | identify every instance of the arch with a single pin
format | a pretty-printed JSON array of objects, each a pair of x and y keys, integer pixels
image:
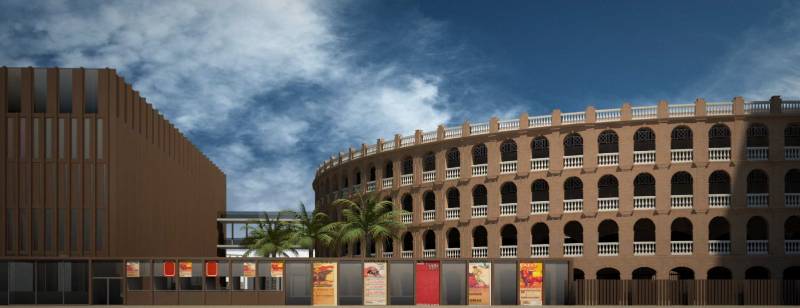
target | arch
[
  {"x": 608, "y": 142},
  {"x": 540, "y": 191},
  {"x": 791, "y": 135},
  {"x": 573, "y": 233},
  {"x": 453, "y": 238},
  {"x": 757, "y": 229},
  {"x": 756, "y": 273},
  {"x": 608, "y": 232},
  {"x": 429, "y": 240},
  {"x": 719, "y": 273},
  {"x": 644, "y": 230},
  {"x": 791, "y": 228},
  {"x": 573, "y": 188},
  {"x": 453, "y": 198},
  {"x": 429, "y": 201},
  {"x": 644, "y": 185},
  {"x": 357, "y": 248},
  {"x": 681, "y": 184},
  {"x": 681, "y": 138},
  {"x": 573, "y": 144},
  {"x": 757, "y": 182},
  {"x": 540, "y": 234},
  {"x": 540, "y": 147},
  {"x": 372, "y": 175},
  {"x": 508, "y": 235},
  {"x": 408, "y": 203},
  {"x": 757, "y": 135},
  {"x": 508, "y": 193},
  {"x": 791, "y": 273},
  {"x": 429, "y": 162},
  {"x": 388, "y": 170},
  {"x": 479, "y": 154},
  {"x": 719, "y": 229},
  {"x": 791, "y": 182},
  {"x": 408, "y": 165},
  {"x": 453, "y": 158},
  {"x": 479, "y": 195},
  {"x": 408, "y": 242},
  {"x": 681, "y": 230},
  {"x": 345, "y": 182},
  {"x": 480, "y": 237},
  {"x": 719, "y": 136},
  {"x": 357, "y": 176},
  {"x": 508, "y": 150},
  {"x": 643, "y": 273},
  {"x": 388, "y": 245},
  {"x": 644, "y": 139},
  {"x": 681, "y": 273},
  {"x": 719, "y": 182},
  {"x": 608, "y": 187},
  {"x": 608, "y": 273},
  {"x": 577, "y": 274}
]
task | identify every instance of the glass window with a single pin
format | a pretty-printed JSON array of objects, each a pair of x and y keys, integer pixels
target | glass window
[
  {"x": 504, "y": 285},
  {"x": 352, "y": 289},
  {"x": 87, "y": 232},
  {"x": 75, "y": 216},
  {"x": 161, "y": 282},
  {"x": 65, "y": 91},
  {"x": 195, "y": 282},
  {"x": 11, "y": 231},
  {"x": 298, "y": 283},
  {"x": 49, "y": 222},
  {"x": 11, "y": 150},
  {"x": 36, "y": 218},
  {"x": 20, "y": 283},
  {"x": 61, "y": 141},
  {"x": 3, "y": 283},
  {"x": 22, "y": 140},
  {"x": 47, "y": 283},
  {"x": 75, "y": 282},
  {"x": 87, "y": 138},
  {"x": 90, "y": 91},
  {"x": 238, "y": 280},
  {"x": 99, "y": 145},
  {"x": 74, "y": 138},
  {"x": 220, "y": 281},
  {"x": 138, "y": 280},
  {"x": 269, "y": 280},
  {"x": 454, "y": 283},
  {"x": 48, "y": 138},
  {"x": 13, "y": 90},
  {"x": 24, "y": 235},
  {"x": 36, "y": 123},
  {"x": 40, "y": 90},
  {"x": 100, "y": 230},
  {"x": 62, "y": 229},
  {"x": 401, "y": 283}
]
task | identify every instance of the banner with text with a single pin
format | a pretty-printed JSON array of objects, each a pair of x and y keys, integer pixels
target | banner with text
[
  {"x": 479, "y": 280},
  {"x": 375, "y": 283},
  {"x": 530, "y": 283},
  {"x": 324, "y": 284}
]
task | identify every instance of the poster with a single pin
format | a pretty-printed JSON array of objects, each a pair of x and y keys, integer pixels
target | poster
[
  {"x": 276, "y": 270},
  {"x": 530, "y": 284},
  {"x": 185, "y": 269},
  {"x": 169, "y": 269},
  {"x": 211, "y": 268},
  {"x": 427, "y": 283},
  {"x": 324, "y": 284},
  {"x": 375, "y": 283},
  {"x": 248, "y": 269},
  {"x": 479, "y": 280},
  {"x": 132, "y": 269}
]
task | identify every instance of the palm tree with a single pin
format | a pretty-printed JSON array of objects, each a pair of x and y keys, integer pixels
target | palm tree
[
  {"x": 270, "y": 237},
  {"x": 366, "y": 219},
  {"x": 311, "y": 229}
]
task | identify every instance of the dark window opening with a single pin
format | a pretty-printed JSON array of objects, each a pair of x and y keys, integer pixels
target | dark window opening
[
  {"x": 573, "y": 233},
  {"x": 573, "y": 189},
  {"x": 39, "y": 90},
  {"x": 719, "y": 183},
  {"x": 644, "y": 185},
  {"x": 479, "y": 195},
  {"x": 65, "y": 91},
  {"x": 608, "y": 187},
  {"x": 644, "y": 140},
  {"x": 480, "y": 237},
  {"x": 408, "y": 203},
  {"x": 508, "y": 236},
  {"x": 508, "y": 193},
  {"x": 540, "y": 191},
  {"x": 719, "y": 136},
  {"x": 453, "y": 158},
  {"x": 453, "y": 238},
  {"x": 681, "y": 138},
  {"x": 681, "y": 184},
  {"x": 540, "y": 148},
  {"x": 608, "y": 232},
  {"x": 408, "y": 166},
  {"x": 479, "y": 155},
  {"x": 90, "y": 91},
  {"x": 388, "y": 172},
  {"x": 453, "y": 198},
  {"x": 791, "y": 182},
  {"x": 13, "y": 90},
  {"x": 429, "y": 201},
  {"x": 508, "y": 151},
  {"x": 573, "y": 145},
  {"x": 540, "y": 234},
  {"x": 757, "y": 182},
  {"x": 608, "y": 142},
  {"x": 757, "y": 135},
  {"x": 791, "y": 135}
]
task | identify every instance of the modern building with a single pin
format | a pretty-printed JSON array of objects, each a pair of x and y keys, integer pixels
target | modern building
[{"x": 672, "y": 191}]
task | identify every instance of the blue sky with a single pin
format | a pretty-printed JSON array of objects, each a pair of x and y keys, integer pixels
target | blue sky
[{"x": 269, "y": 89}]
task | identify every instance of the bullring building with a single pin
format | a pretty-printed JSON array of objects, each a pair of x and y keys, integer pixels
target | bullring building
[{"x": 706, "y": 190}]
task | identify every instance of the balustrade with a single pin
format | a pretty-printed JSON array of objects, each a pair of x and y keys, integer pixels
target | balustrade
[
  {"x": 791, "y": 153},
  {"x": 719, "y": 154},
  {"x": 682, "y": 155},
  {"x": 644, "y": 202},
  {"x": 608, "y": 115},
  {"x": 406, "y": 179},
  {"x": 681, "y": 248},
  {"x": 757, "y": 247},
  {"x": 407, "y": 254},
  {"x": 573, "y": 249},
  {"x": 681, "y": 110},
  {"x": 452, "y": 252},
  {"x": 480, "y": 170},
  {"x": 719, "y": 201},
  {"x": 681, "y": 201},
  {"x": 507, "y": 125},
  {"x": 540, "y": 164},
  {"x": 718, "y": 109},
  {"x": 573, "y": 205},
  {"x": 608, "y": 249},
  {"x": 480, "y": 252},
  {"x": 429, "y": 253},
  {"x": 540, "y": 250},
  {"x": 428, "y": 215},
  {"x": 644, "y": 248},
  {"x": 452, "y": 213},
  {"x": 370, "y": 186},
  {"x": 508, "y": 167},
  {"x": 791, "y": 247},
  {"x": 608, "y": 159},
  {"x": 540, "y": 121},
  {"x": 387, "y": 183},
  {"x": 428, "y": 176},
  {"x": 508, "y": 209},
  {"x": 406, "y": 218},
  {"x": 757, "y": 200},
  {"x": 573, "y": 161},
  {"x": 479, "y": 211},
  {"x": 608, "y": 204},
  {"x": 453, "y": 132},
  {"x": 452, "y": 173},
  {"x": 573, "y": 117},
  {"x": 719, "y": 247},
  {"x": 644, "y": 112},
  {"x": 791, "y": 200},
  {"x": 540, "y": 207},
  {"x": 479, "y": 128},
  {"x": 757, "y": 153},
  {"x": 508, "y": 251}
]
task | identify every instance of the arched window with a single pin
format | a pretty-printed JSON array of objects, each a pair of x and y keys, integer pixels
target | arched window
[
  {"x": 388, "y": 245},
  {"x": 757, "y": 229},
  {"x": 573, "y": 145},
  {"x": 791, "y": 182},
  {"x": 644, "y": 230},
  {"x": 573, "y": 188},
  {"x": 408, "y": 242},
  {"x": 756, "y": 273},
  {"x": 453, "y": 198},
  {"x": 508, "y": 151},
  {"x": 757, "y": 135},
  {"x": 453, "y": 238},
  {"x": 479, "y": 195},
  {"x": 791, "y": 229},
  {"x": 608, "y": 187},
  {"x": 791, "y": 135},
  {"x": 644, "y": 140},
  {"x": 681, "y": 184},
  {"x": 719, "y": 273},
  {"x": 643, "y": 273},
  {"x": 429, "y": 240},
  {"x": 540, "y": 191},
  {"x": 429, "y": 163},
  {"x": 408, "y": 203},
  {"x": 372, "y": 174},
  {"x": 719, "y": 183},
  {"x": 508, "y": 235},
  {"x": 345, "y": 182},
  {"x": 644, "y": 185},
  {"x": 681, "y": 273},
  {"x": 408, "y": 165},
  {"x": 480, "y": 237},
  {"x": 719, "y": 229},
  {"x": 791, "y": 273},
  {"x": 719, "y": 136},
  {"x": 608, "y": 142},
  {"x": 573, "y": 233},
  {"x": 388, "y": 171},
  {"x": 508, "y": 193},
  {"x": 479, "y": 154},
  {"x": 358, "y": 177},
  {"x": 540, "y": 234},
  {"x": 757, "y": 182},
  {"x": 681, "y": 138},
  {"x": 577, "y": 274},
  {"x": 540, "y": 148},
  {"x": 608, "y": 274},
  {"x": 429, "y": 201},
  {"x": 453, "y": 158},
  {"x": 608, "y": 232}
]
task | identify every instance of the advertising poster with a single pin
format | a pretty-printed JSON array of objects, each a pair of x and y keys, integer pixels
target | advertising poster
[
  {"x": 276, "y": 270},
  {"x": 375, "y": 283},
  {"x": 427, "y": 283},
  {"x": 185, "y": 269},
  {"x": 530, "y": 283},
  {"x": 324, "y": 284},
  {"x": 132, "y": 269},
  {"x": 479, "y": 279},
  {"x": 169, "y": 269},
  {"x": 248, "y": 269},
  {"x": 211, "y": 269}
]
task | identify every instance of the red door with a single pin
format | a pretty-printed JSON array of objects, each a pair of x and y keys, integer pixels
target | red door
[{"x": 427, "y": 284}]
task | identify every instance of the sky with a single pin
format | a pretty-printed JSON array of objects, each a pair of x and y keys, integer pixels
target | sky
[{"x": 270, "y": 89}]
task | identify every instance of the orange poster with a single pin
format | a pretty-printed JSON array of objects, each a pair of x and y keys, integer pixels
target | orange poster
[
  {"x": 530, "y": 283},
  {"x": 324, "y": 284},
  {"x": 276, "y": 270},
  {"x": 479, "y": 279},
  {"x": 248, "y": 269},
  {"x": 185, "y": 269},
  {"x": 132, "y": 269}
]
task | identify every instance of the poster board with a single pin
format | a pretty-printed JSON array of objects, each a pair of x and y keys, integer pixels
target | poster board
[
  {"x": 479, "y": 283},
  {"x": 185, "y": 269},
  {"x": 276, "y": 269},
  {"x": 375, "y": 283},
  {"x": 530, "y": 283},
  {"x": 132, "y": 269},
  {"x": 249, "y": 269},
  {"x": 323, "y": 284},
  {"x": 427, "y": 283}
]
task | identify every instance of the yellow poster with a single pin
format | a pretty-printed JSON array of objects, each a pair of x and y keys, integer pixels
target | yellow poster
[
  {"x": 249, "y": 269},
  {"x": 185, "y": 269},
  {"x": 276, "y": 270},
  {"x": 375, "y": 283},
  {"x": 324, "y": 284},
  {"x": 479, "y": 280},
  {"x": 530, "y": 283},
  {"x": 132, "y": 269}
]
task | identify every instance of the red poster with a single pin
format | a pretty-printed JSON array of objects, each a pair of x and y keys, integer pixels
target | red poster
[
  {"x": 211, "y": 268},
  {"x": 169, "y": 268},
  {"x": 428, "y": 283}
]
